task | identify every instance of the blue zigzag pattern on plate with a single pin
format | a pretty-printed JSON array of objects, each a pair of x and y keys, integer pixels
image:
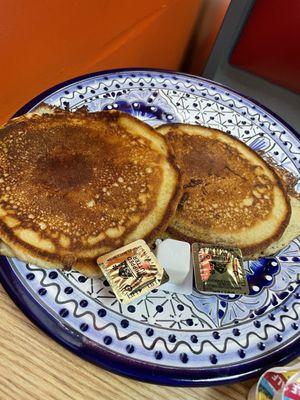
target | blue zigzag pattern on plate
[
  {"x": 262, "y": 316},
  {"x": 190, "y": 100}
]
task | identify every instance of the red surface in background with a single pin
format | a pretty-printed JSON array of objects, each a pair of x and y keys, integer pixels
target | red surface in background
[
  {"x": 47, "y": 42},
  {"x": 269, "y": 45}
]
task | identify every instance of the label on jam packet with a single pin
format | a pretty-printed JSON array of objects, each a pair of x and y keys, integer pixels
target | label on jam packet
[
  {"x": 218, "y": 269},
  {"x": 277, "y": 382},
  {"x": 271, "y": 384},
  {"x": 292, "y": 388},
  {"x": 132, "y": 271}
]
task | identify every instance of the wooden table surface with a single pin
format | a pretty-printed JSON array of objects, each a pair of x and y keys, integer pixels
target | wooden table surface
[{"x": 34, "y": 367}]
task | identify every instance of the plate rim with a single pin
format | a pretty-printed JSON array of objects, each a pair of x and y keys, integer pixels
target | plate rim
[
  {"x": 91, "y": 351},
  {"x": 31, "y": 103},
  {"x": 97, "y": 354}
]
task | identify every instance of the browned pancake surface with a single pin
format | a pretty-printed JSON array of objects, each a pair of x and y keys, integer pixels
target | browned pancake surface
[
  {"x": 231, "y": 196},
  {"x": 230, "y": 193},
  {"x": 78, "y": 186}
]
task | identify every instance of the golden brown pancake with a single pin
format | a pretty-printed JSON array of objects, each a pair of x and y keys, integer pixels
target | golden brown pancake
[
  {"x": 74, "y": 186},
  {"x": 292, "y": 231},
  {"x": 231, "y": 196}
]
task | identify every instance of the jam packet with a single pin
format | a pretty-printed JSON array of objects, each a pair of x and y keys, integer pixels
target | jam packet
[
  {"x": 281, "y": 383},
  {"x": 218, "y": 269},
  {"x": 292, "y": 388},
  {"x": 132, "y": 271}
]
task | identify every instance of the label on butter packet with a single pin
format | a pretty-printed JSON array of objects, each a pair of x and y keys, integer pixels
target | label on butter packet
[
  {"x": 132, "y": 271},
  {"x": 218, "y": 269}
]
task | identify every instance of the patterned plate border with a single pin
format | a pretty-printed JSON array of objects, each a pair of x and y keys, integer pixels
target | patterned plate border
[
  {"x": 146, "y": 372},
  {"x": 90, "y": 350}
]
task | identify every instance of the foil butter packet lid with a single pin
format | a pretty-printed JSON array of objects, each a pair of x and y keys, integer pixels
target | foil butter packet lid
[
  {"x": 218, "y": 269},
  {"x": 132, "y": 271}
]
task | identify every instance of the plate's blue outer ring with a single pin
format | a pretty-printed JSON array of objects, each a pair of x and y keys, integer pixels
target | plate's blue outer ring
[
  {"x": 91, "y": 351},
  {"x": 28, "y": 106}
]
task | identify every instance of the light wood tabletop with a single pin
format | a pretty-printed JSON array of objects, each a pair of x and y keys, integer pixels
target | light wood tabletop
[{"x": 35, "y": 367}]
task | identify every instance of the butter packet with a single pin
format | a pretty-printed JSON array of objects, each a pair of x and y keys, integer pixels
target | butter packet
[
  {"x": 132, "y": 271},
  {"x": 218, "y": 269}
]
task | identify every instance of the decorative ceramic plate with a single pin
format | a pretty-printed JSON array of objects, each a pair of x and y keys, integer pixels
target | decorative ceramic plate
[{"x": 167, "y": 338}]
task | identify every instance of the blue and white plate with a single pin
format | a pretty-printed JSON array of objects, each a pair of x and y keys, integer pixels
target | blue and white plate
[{"x": 169, "y": 338}]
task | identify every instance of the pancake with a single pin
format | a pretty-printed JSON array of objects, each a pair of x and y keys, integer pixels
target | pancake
[
  {"x": 291, "y": 232},
  {"x": 77, "y": 185},
  {"x": 231, "y": 196},
  {"x": 87, "y": 267}
]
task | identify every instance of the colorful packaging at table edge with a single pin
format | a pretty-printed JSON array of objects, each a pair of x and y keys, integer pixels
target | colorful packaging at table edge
[
  {"x": 132, "y": 271},
  {"x": 218, "y": 269},
  {"x": 279, "y": 383}
]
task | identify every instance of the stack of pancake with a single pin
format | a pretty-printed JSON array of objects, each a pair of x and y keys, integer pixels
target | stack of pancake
[
  {"x": 232, "y": 196},
  {"x": 74, "y": 186}
]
